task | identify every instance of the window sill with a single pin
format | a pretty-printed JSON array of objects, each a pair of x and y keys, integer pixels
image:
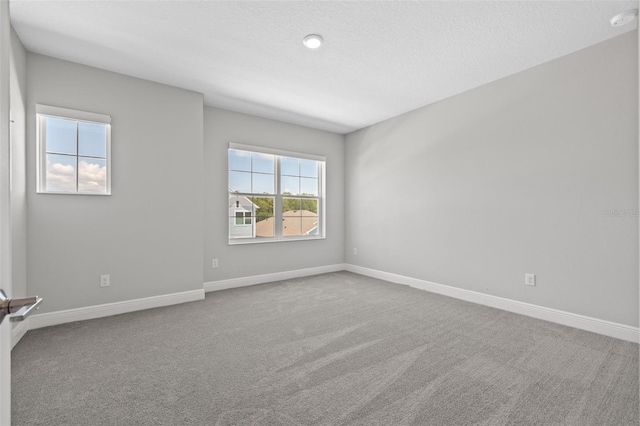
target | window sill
[
  {"x": 71, "y": 193},
  {"x": 242, "y": 241}
]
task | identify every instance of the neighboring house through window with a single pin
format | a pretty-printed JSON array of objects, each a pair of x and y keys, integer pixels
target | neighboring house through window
[
  {"x": 240, "y": 217},
  {"x": 74, "y": 151},
  {"x": 277, "y": 195}
]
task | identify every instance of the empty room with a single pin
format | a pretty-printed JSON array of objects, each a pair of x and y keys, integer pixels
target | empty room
[{"x": 319, "y": 213}]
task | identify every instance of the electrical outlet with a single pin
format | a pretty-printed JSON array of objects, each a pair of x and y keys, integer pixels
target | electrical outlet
[
  {"x": 355, "y": 251},
  {"x": 214, "y": 263},
  {"x": 530, "y": 279},
  {"x": 105, "y": 280}
]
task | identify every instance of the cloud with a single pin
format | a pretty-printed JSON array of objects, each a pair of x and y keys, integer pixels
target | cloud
[
  {"x": 61, "y": 177},
  {"x": 92, "y": 177}
]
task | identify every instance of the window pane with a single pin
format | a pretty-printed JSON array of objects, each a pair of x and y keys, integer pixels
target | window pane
[
  {"x": 290, "y": 185},
  {"x": 239, "y": 181},
  {"x": 309, "y": 225},
  {"x": 265, "y": 228},
  {"x": 309, "y": 168},
  {"x": 60, "y": 135},
  {"x": 310, "y": 219},
  {"x": 263, "y": 208},
  {"x": 264, "y": 217},
  {"x": 238, "y": 229},
  {"x": 263, "y": 163},
  {"x": 263, "y": 184},
  {"x": 92, "y": 139},
  {"x": 289, "y": 166},
  {"x": 291, "y": 225},
  {"x": 61, "y": 173},
  {"x": 309, "y": 207},
  {"x": 309, "y": 186},
  {"x": 239, "y": 203},
  {"x": 240, "y": 217},
  {"x": 299, "y": 217},
  {"x": 291, "y": 205},
  {"x": 92, "y": 175},
  {"x": 239, "y": 160},
  {"x": 240, "y": 209}
]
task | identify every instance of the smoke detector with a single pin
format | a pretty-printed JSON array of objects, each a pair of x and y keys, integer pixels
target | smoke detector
[{"x": 624, "y": 18}]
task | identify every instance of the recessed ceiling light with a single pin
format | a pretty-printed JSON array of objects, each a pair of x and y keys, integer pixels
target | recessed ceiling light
[
  {"x": 624, "y": 18},
  {"x": 313, "y": 41}
]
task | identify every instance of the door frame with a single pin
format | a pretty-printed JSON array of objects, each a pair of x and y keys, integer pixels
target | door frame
[{"x": 5, "y": 210}]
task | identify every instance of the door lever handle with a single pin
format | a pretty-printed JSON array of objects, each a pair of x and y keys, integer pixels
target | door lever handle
[
  {"x": 20, "y": 307},
  {"x": 25, "y": 310}
]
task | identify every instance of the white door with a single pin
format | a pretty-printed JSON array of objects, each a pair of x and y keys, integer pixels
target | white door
[{"x": 5, "y": 213}]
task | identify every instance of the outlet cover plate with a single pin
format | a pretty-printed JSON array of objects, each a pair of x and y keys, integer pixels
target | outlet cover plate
[
  {"x": 105, "y": 280},
  {"x": 530, "y": 279}
]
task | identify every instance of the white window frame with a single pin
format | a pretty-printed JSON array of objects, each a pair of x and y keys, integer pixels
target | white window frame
[
  {"x": 44, "y": 111},
  {"x": 277, "y": 205}
]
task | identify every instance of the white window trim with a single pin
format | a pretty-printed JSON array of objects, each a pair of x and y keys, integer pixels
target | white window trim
[
  {"x": 273, "y": 151},
  {"x": 278, "y": 238},
  {"x": 72, "y": 114}
]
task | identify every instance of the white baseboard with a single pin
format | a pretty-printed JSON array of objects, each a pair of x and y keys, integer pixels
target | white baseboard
[
  {"x": 267, "y": 278},
  {"x": 607, "y": 328},
  {"x": 108, "y": 309},
  {"x": 19, "y": 330}
]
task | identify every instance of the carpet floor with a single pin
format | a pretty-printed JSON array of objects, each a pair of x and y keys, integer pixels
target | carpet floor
[{"x": 332, "y": 349}]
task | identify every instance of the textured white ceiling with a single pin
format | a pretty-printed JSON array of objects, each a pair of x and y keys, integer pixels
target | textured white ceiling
[{"x": 379, "y": 60}]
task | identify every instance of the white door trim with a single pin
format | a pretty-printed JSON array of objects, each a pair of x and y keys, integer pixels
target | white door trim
[{"x": 5, "y": 211}]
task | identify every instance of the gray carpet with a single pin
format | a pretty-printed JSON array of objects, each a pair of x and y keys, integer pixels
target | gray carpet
[{"x": 334, "y": 349}]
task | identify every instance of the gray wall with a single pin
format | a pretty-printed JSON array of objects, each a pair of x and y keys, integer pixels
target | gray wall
[
  {"x": 148, "y": 234},
  {"x": 473, "y": 191},
  {"x": 18, "y": 88},
  {"x": 222, "y": 127},
  {"x": 512, "y": 177}
]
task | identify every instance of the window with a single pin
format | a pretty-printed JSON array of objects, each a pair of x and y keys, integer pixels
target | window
[
  {"x": 243, "y": 218},
  {"x": 274, "y": 195},
  {"x": 74, "y": 150}
]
